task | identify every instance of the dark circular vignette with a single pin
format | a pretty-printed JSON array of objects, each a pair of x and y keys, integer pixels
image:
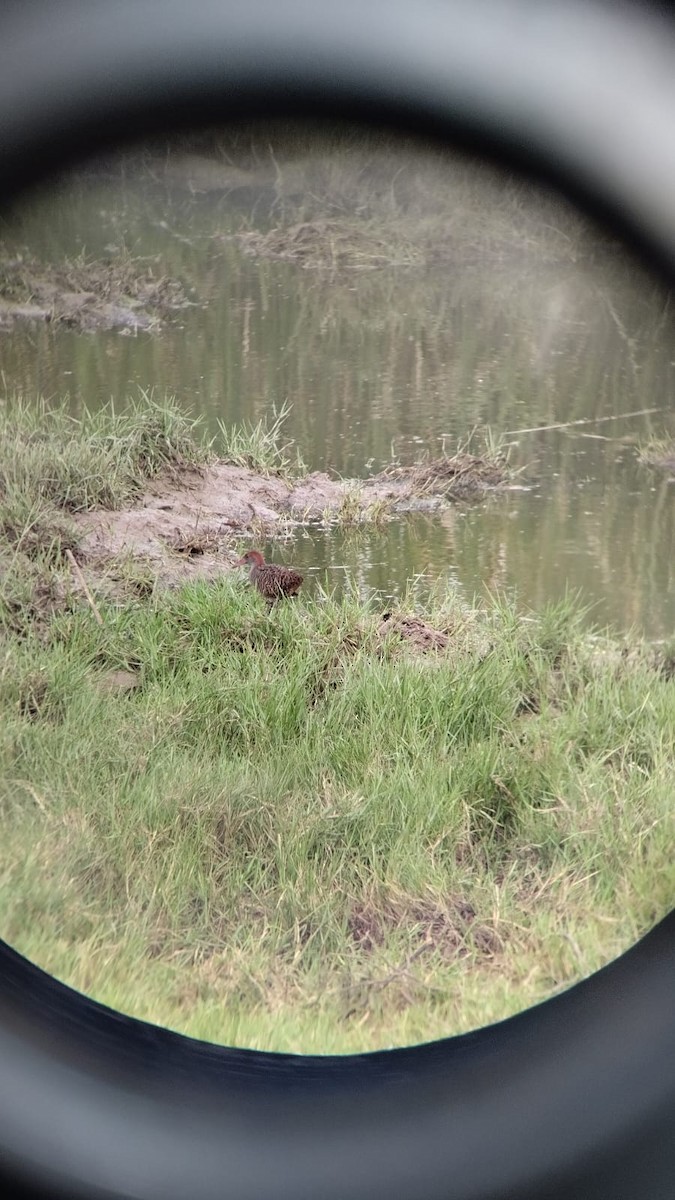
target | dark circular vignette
[
  {"x": 575, "y": 1097},
  {"x": 102, "y": 77},
  {"x": 501, "y": 83}
]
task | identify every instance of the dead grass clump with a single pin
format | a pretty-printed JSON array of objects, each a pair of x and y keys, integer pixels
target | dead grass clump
[
  {"x": 366, "y": 927},
  {"x": 459, "y": 477},
  {"x": 659, "y": 453},
  {"x": 451, "y": 930},
  {"x": 326, "y": 244}
]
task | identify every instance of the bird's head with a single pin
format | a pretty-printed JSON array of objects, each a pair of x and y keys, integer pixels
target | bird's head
[{"x": 252, "y": 558}]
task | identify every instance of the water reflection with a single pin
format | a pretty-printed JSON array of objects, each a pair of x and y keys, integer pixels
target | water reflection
[{"x": 385, "y": 362}]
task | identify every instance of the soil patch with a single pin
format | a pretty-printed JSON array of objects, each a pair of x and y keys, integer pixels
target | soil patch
[
  {"x": 414, "y": 631},
  {"x": 123, "y": 294}
]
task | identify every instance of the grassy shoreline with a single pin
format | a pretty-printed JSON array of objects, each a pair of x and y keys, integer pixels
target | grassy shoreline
[
  {"x": 317, "y": 829},
  {"x": 136, "y": 494}
]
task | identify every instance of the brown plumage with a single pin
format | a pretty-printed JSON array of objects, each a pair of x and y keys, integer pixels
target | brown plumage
[{"x": 272, "y": 581}]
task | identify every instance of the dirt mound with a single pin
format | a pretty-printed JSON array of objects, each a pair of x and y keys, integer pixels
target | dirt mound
[{"x": 413, "y": 630}]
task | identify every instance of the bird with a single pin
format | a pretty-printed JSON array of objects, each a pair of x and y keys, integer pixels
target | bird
[{"x": 272, "y": 581}]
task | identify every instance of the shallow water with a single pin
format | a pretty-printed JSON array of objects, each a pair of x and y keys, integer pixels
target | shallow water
[{"x": 396, "y": 361}]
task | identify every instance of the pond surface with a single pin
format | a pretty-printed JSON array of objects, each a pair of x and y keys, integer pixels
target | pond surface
[{"x": 395, "y": 361}]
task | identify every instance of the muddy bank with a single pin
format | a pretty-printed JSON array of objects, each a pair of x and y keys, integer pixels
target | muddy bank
[
  {"x": 195, "y": 522},
  {"x": 124, "y": 294}
]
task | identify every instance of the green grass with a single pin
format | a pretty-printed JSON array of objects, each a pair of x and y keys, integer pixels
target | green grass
[
  {"x": 260, "y": 447},
  {"x": 102, "y": 458},
  {"x": 353, "y": 512},
  {"x": 295, "y": 833},
  {"x": 53, "y": 465}
]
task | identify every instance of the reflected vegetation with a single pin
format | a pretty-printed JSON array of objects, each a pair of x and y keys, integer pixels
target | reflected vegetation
[{"x": 495, "y": 308}]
